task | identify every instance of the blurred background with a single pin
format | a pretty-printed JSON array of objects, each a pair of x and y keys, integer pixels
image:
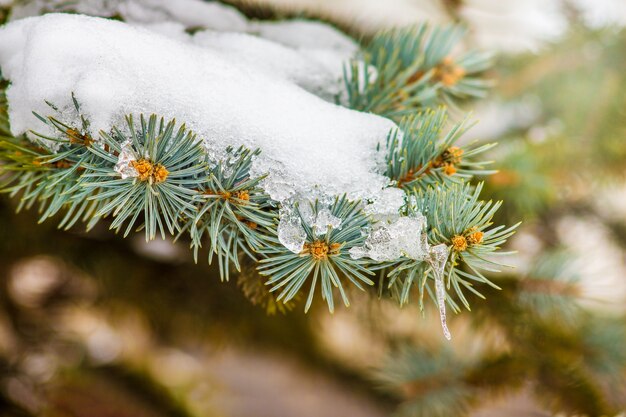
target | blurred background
[{"x": 95, "y": 325}]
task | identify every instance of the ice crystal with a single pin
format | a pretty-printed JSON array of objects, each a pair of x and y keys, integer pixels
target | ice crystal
[
  {"x": 387, "y": 203},
  {"x": 390, "y": 241},
  {"x": 324, "y": 220},
  {"x": 291, "y": 234},
  {"x": 124, "y": 161}
]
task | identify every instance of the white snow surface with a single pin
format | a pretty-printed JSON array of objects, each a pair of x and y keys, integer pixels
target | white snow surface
[
  {"x": 190, "y": 13},
  {"x": 311, "y": 54},
  {"x": 275, "y": 59},
  {"x": 116, "y": 69},
  {"x": 305, "y": 34}
]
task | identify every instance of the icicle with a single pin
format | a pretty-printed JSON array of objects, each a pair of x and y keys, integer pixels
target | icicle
[{"x": 438, "y": 258}]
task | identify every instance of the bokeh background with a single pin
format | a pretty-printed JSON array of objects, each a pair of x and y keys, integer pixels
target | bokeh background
[{"x": 95, "y": 325}]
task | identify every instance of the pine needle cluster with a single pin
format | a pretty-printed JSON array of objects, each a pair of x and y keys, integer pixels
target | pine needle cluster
[{"x": 153, "y": 176}]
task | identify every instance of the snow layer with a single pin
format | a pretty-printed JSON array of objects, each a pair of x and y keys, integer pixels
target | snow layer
[
  {"x": 311, "y": 54},
  {"x": 116, "y": 69},
  {"x": 316, "y": 41},
  {"x": 275, "y": 59},
  {"x": 305, "y": 34},
  {"x": 190, "y": 13}
]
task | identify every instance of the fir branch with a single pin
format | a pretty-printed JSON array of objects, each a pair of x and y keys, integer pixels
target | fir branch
[
  {"x": 160, "y": 174},
  {"x": 47, "y": 171},
  {"x": 5, "y": 126},
  {"x": 414, "y": 70},
  {"x": 325, "y": 256},
  {"x": 153, "y": 178},
  {"x": 421, "y": 155},
  {"x": 233, "y": 211},
  {"x": 457, "y": 218}
]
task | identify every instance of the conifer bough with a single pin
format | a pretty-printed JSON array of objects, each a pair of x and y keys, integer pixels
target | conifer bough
[{"x": 316, "y": 184}]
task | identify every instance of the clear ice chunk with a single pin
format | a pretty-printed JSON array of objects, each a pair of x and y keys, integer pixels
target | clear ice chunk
[
  {"x": 124, "y": 160},
  {"x": 390, "y": 241},
  {"x": 324, "y": 221},
  {"x": 387, "y": 203},
  {"x": 291, "y": 234}
]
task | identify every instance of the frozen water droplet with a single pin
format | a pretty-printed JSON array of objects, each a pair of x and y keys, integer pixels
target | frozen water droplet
[
  {"x": 377, "y": 246},
  {"x": 390, "y": 241},
  {"x": 123, "y": 165},
  {"x": 306, "y": 212},
  {"x": 358, "y": 252},
  {"x": 325, "y": 220},
  {"x": 388, "y": 203},
  {"x": 412, "y": 238},
  {"x": 290, "y": 231}
]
